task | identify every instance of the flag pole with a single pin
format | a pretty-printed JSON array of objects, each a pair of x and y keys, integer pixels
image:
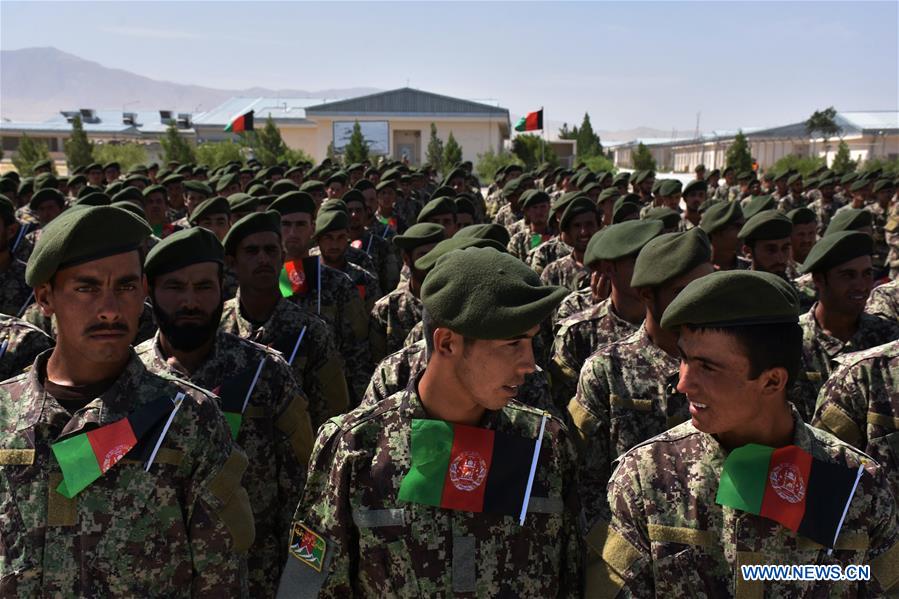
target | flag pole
[
  {"x": 530, "y": 485},
  {"x": 293, "y": 354},
  {"x": 543, "y": 133},
  {"x": 179, "y": 399}
]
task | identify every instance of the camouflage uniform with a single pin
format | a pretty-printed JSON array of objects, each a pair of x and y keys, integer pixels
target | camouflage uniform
[
  {"x": 494, "y": 202},
  {"x": 884, "y": 301},
  {"x": 626, "y": 393},
  {"x": 407, "y": 209},
  {"x": 544, "y": 254},
  {"x": 574, "y": 302},
  {"x": 565, "y": 272},
  {"x": 723, "y": 192},
  {"x": 891, "y": 235},
  {"x": 804, "y": 286},
  {"x": 507, "y": 217},
  {"x": 669, "y": 538},
  {"x": 859, "y": 405},
  {"x": 577, "y": 338},
  {"x": 879, "y": 219},
  {"x": 25, "y": 216},
  {"x": 14, "y": 292},
  {"x": 275, "y": 434},
  {"x": 146, "y": 324},
  {"x": 353, "y": 255},
  {"x": 791, "y": 202},
  {"x": 230, "y": 285},
  {"x": 20, "y": 343},
  {"x": 820, "y": 350},
  {"x": 524, "y": 241},
  {"x": 824, "y": 212},
  {"x": 344, "y": 311},
  {"x": 317, "y": 365},
  {"x": 384, "y": 257},
  {"x": 376, "y": 544},
  {"x": 177, "y": 530},
  {"x": 392, "y": 319}
]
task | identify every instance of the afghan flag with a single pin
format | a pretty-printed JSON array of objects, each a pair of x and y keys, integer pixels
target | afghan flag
[
  {"x": 388, "y": 222},
  {"x": 235, "y": 393},
  {"x": 806, "y": 495},
  {"x": 164, "y": 230},
  {"x": 532, "y": 122},
  {"x": 470, "y": 469},
  {"x": 86, "y": 457},
  {"x": 538, "y": 239},
  {"x": 242, "y": 123},
  {"x": 293, "y": 279}
]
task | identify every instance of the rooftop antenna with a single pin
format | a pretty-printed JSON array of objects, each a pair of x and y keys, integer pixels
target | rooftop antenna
[{"x": 696, "y": 132}]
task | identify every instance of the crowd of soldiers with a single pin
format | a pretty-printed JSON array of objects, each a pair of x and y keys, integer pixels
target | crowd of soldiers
[{"x": 295, "y": 323}]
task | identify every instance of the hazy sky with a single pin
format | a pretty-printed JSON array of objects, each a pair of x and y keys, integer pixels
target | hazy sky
[{"x": 628, "y": 63}]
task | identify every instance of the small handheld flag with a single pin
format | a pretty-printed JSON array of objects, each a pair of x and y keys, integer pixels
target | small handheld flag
[
  {"x": 296, "y": 346},
  {"x": 235, "y": 393},
  {"x": 292, "y": 279},
  {"x": 804, "y": 494},
  {"x": 241, "y": 123},
  {"x": 531, "y": 122}
]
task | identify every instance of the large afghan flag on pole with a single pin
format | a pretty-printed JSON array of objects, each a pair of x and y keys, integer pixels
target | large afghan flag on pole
[
  {"x": 471, "y": 469},
  {"x": 242, "y": 123},
  {"x": 532, "y": 122},
  {"x": 807, "y": 495}
]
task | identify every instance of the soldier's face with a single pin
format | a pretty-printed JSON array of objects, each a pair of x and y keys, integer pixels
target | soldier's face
[
  {"x": 333, "y": 246},
  {"x": 155, "y": 208},
  {"x": 95, "y": 177},
  {"x": 579, "y": 231},
  {"x": 538, "y": 213},
  {"x": 771, "y": 255},
  {"x": 47, "y": 211},
  {"x": 844, "y": 289},
  {"x": 447, "y": 221},
  {"x": 175, "y": 193},
  {"x": 620, "y": 273},
  {"x": 296, "y": 232},
  {"x": 803, "y": 240},
  {"x": 659, "y": 299},
  {"x": 358, "y": 216},
  {"x": 463, "y": 219},
  {"x": 257, "y": 261},
  {"x": 188, "y": 304},
  {"x": 194, "y": 199},
  {"x": 217, "y": 223},
  {"x": 335, "y": 189},
  {"x": 386, "y": 199},
  {"x": 726, "y": 240},
  {"x": 693, "y": 200},
  {"x": 97, "y": 306}
]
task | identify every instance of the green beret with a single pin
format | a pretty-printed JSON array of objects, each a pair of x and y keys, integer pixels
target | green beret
[
  {"x": 608, "y": 194},
  {"x": 96, "y": 198},
  {"x": 532, "y": 197},
  {"x": 183, "y": 248},
  {"x": 621, "y": 178},
  {"x": 811, "y": 182},
  {"x": 849, "y": 178},
  {"x": 719, "y": 215},
  {"x": 334, "y": 205},
  {"x": 835, "y": 249},
  {"x": 766, "y": 225},
  {"x": 621, "y": 240},
  {"x": 114, "y": 188},
  {"x": 578, "y": 206},
  {"x": 82, "y": 235},
  {"x": 794, "y": 178},
  {"x": 564, "y": 200},
  {"x": 184, "y": 169},
  {"x": 745, "y": 176},
  {"x": 669, "y": 218},
  {"x": 129, "y": 194},
  {"x": 45, "y": 181},
  {"x": 625, "y": 208},
  {"x": 464, "y": 204},
  {"x": 641, "y": 176},
  {"x": 255, "y": 222},
  {"x": 282, "y": 186},
  {"x": 389, "y": 184},
  {"x": 482, "y": 293},
  {"x": 860, "y": 184},
  {"x": 849, "y": 219},
  {"x": 216, "y": 205},
  {"x": 8, "y": 185},
  {"x": 882, "y": 184},
  {"x": 338, "y": 177},
  {"x": 802, "y": 216},
  {"x": 699, "y": 167},
  {"x": 48, "y": 194},
  {"x": 257, "y": 190},
  {"x": 332, "y": 220},
  {"x": 585, "y": 178},
  {"x": 669, "y": 256},
  {"x": 7, "y": 211},
  {"x": 670, "y": 187},
  {"x": 497, "y": 233},
  {"x": 758, "y": 204},
  {"x": 26, "y": 185},
  {"x": 172, "y": 179},
  {"x": 446, "y": 246},
  {"x": 455, "y": 174},
  {"x": 695, "y": 185},
  {"x": 353, "y": 195},
  {"x": 89, "y": 189},
  {"x": 656, "y": 185},
  {"x": 733, "y": 298},
  {"x": 418, "y": 235},
  {"x": 132, "y": 208},
  {"x": 224, "y": 182},
  {"x": 437, "y": 207},
  {"x": 42, "y": 164},
  {"x": 198, "y": 187},
  {"x": 154, "y": 189},
  {"x": 294, "y": 201},
  {"x": 826, "y": 181},
  {"x": 514, "y": 186},
  {"x": 93, "y": 166},
  {"x": 242, "y": 202}
]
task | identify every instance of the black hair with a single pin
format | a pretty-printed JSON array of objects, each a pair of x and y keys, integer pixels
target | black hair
[{"x": 767, "y": 346}]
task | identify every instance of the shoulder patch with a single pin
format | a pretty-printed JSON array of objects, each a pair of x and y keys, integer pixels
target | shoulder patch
[{"x": 307, "y": 546}]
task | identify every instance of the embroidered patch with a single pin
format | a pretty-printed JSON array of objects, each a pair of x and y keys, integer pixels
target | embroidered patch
[{"x": 307, "y": 546}]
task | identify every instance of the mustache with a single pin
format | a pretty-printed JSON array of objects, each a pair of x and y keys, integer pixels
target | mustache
[
  {"x": 186, "y": 313},
  {"x": 102, "y": 326}
]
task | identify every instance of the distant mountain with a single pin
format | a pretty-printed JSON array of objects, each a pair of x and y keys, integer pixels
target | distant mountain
[{"x": 36, "y": 83}]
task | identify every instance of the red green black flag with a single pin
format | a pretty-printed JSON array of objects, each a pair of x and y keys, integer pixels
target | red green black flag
[
  {"x": 532, "y": 122},
  {"x": 293, "y": 279},
  {"x": 471, "y": 469},
  {"x": 242, "y": 123},
  {"x": 235, "y": 393},
  {"x": 85, "y": 457},
  {"x": 806, "y": 495}
]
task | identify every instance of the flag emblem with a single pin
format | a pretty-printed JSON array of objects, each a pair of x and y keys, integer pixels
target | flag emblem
[
  {"x": 297, "y": 277},
  {"x": 307, "y": 546},
  {"x": 356, "y": 243},
  {"x": 468, "y": 471},
  {"x": 786, "y": 480},
  {"x": 114, "y": 455}
]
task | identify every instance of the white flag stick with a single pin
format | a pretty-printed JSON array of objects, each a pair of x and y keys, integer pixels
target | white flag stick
[
  {"x": 319, "y": 285},
  {"x": 246, "y": 399},
  {"x": 858, "y": 476},
  {"x": 179, "y": 399},
  {"x": 527, "y": 492},
  {"x": 3, "y": 347},
  {"x": 296, "y": 346}
]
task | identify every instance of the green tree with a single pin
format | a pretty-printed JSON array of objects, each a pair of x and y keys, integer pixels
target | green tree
[
  {"x": 842, "y": 161},
  {"x": 490, "y": 161},
  {"x": 79, "y": 150},
  {"x": 434, "y": 153},
  {"x": 823, "y": 122},
  {"x": 216, "y": 154},
  {"x": 588, "y": 143},
  {"x": 528, "y": 148},
  {"x": 566, "y": 133},
  {"x": 600, "y": 163},
  {"x": 890, "y": 168},
  {"x": 332, "y": 155},
  {"x": 356, "y": 149},
  {"x": 126, "y": 154},
  {"x": 804, "y": 165},
  {"x": 175, "y": 147},
  {"x": 452, "y": 153},
  {"x": 268, "y": 146},
  {"x": 642, "y": 158},
  {"x": 29, "y": 152},
  {"x": 738, "y": 155}
]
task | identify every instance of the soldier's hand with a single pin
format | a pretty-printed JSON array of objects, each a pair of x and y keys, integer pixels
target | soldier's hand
[{"x": 600, "y": 285}]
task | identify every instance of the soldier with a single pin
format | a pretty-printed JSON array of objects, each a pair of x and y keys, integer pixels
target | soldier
[
  {"x": 668, "y": 536},
  {"x": 841, "y": 268},
  {"x": 626, "y": 390},
  {"x": 795, "y": 198},
  {"x": 316, "y": 190},
  {"x": 884, "y": 301},
  {"x": 259, "y": 395},
  {"x": 20, "y": 344},
  {"x": 605, "y": 202},
  {"x": 643, "y": 182},
  {"x": 440, "y": 211},
  {"x": 578, "y": 224},
  {"x": 361, "y": 460},
  {"x": 748, "y": 186},
  {"x": 511, "y": 211},
  {"x": 712, "y": 180},
  {"x": 722, "y": 222},
  {"x": 730, "y": 181},
  {"x": 364, "y": 238},
  {"x": 803, "y": 237},
  {"x": 174, "y": 192},
  {"x": 825, "y": 205},
  {"x": 755, "y": 204},
  {"x": 260, "y": 313},
  {"x": 395, "y": 314},
  {"x": 386, "y": 215},
  {"x": 171, "y": 518},
  {"x": 669, "y": 196},
  {"x": 694, "y": 195},
  {"x": 195, "y": 193},
  {"x": 213, "y": 214},
  {"x": 536, "y": 231},
  {"x": 613, "y": 252},
  {"x": 466, "y": 210},
  {"x": 46, "y": 204},
  {"x": 883, "y": 190},
  {"x": 700, "y": 172},
  {"x": 242, "y": 204},
  {"x": 554, "y": 248},
  {"x": 155, "y": 207},
  {"x": 15, "y": 294},
  {"x": 766, "y": 241}
]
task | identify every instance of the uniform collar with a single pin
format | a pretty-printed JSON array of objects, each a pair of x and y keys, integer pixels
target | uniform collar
[{"x": 833, "y": 346}]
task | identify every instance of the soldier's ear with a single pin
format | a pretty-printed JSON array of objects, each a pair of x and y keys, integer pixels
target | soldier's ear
[
  {"x": 774, "y": 381},
  {"x": 43, "y": 297}
]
